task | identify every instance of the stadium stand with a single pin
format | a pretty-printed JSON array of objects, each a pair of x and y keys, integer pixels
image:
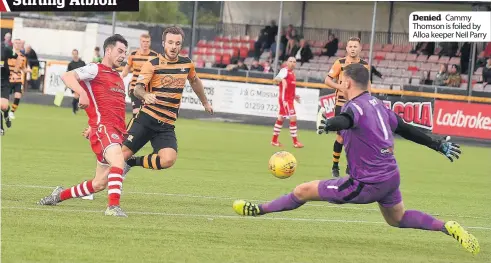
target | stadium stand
[{"x": 396, "y": 62}]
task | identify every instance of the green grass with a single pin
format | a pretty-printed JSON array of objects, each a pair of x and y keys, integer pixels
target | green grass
[{"x": 185, "y": 214}]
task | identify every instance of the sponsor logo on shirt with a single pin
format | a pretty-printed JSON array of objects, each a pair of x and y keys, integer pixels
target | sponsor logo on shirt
[{"x": 389, "y": 150}]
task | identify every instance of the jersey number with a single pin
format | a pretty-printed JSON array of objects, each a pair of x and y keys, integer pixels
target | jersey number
[{"x": 384, "y": 128}]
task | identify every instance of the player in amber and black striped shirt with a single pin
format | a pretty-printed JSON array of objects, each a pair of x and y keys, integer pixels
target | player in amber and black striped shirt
[
  {"x": 8, "y": 55},
  {"x": 353, "y": 48},
  {"x": 135, "y": 62},
  {"x": 18, "y": 69},
  {"x": 160, "y": 85}
]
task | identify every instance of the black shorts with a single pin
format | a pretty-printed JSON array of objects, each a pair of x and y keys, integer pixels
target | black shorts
[
  {"x": 145, "y": 128},
  {"x": 136, "y": 103},
  {"x": 6, "y": 88},
  {"x": 16, "y": 87},
  {"x": 9, "y": 88}
]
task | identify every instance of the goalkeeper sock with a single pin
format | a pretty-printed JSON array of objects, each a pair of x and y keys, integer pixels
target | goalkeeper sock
[
  {"x": 283, "y": 203},
  {"x": 419, "y": 220}
]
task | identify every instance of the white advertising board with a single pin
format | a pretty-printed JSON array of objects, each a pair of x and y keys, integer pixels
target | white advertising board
[
  {"x": 54, "y": 84},
  {"x": 225, "y": 96},
  {"x": 250, "y": 99}
]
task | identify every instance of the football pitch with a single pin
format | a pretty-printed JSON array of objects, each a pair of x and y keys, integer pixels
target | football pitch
[{"x": 184, "y": 214}]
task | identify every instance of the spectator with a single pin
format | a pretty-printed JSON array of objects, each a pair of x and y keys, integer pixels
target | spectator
[
  {"x": 272, "y": 33},
  {"x": 448, "y": 48},
  {"x": 331, "y": 47},
  {"x": 260, "y": 43},
  {"x": 283, "y": 41},
  {"x": 289, "y": 47},
  {"x": 464, "y": 54},
  {"x": 441, "y": 76},
  {"x": 454, "y": 78},
  {"x": 97, "y": 55},
  {"x": 22, "y": 49},
  {"x": 267, "y": 67},
  {"x": 241, "y": 65},
  {"x": 481, "y": 60},
  {"x": 31, "y": 56},
  {"x": 294, "y": 35},
  {"x": 424, "y": 48},
  {"x": 273, "y": 50},
  {"x": 303, "y": 53},
  {"x": 32, "y": 60},
  {"x": 74, "y": 64},
  {"x": 7, "y": 40},
  {"x": 256, "y": 66},
  {"x": 289, "y": 32},
  {"x": 486, "y": 73}
]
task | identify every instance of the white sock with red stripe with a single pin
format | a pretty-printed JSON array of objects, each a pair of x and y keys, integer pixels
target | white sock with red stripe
[
  {"x": 293, "y": 131},
  {"x": 114, "y": 185},
  {"x": 277, "y": 130},
  {"x": 78, "y": 190}
]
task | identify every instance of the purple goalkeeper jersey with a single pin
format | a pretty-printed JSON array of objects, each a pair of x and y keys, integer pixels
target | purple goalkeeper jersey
[{"x": 369, "y": 143}]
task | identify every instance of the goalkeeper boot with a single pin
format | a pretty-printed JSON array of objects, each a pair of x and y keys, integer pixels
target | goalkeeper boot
[
  {"x": 115, "y": 210},
  {"x": 244, "y": 208},
  {"x": 467, "y": 240},
  {"x": 53, "y": 198}
]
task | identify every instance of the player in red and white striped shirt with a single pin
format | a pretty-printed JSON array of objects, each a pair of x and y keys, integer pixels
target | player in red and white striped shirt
[
  {"x": 102, "y": 95},
  {"x": 287, "y": 83}
]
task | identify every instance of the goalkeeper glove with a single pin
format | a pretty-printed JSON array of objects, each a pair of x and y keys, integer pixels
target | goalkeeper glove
[
  {"x": 321, "y": 121},
  {"x": 449, "y": 149}
]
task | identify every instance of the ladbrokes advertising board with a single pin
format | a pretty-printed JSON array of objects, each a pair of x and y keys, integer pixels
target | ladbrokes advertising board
[{"x": 462, "y": 119}]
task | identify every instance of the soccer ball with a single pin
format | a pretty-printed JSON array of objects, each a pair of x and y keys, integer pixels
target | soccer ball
[{"x": 282, "y": 164}]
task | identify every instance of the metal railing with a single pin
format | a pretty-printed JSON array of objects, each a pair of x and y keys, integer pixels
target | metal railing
[
  {"x": 321, "y": 34},
  {"x": 428, "y": 91}
]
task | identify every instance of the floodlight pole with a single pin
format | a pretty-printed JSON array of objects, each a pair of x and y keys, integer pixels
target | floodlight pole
[
  {"x": 278, "y": 39},
  {"x": 193, "y": 28},
  {"x": 372, "y": 36},
  {"x": 114, "y": 23}
]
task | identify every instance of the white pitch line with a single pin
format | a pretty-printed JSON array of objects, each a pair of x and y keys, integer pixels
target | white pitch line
[
  {"x": 232, "y": 198},
  {"x": 211, "y": 217}
]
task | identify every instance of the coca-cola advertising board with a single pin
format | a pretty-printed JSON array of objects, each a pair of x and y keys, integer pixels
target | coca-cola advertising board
[
  {"x": 413, "y": 110},
  {"x": 462, "y": 119}
]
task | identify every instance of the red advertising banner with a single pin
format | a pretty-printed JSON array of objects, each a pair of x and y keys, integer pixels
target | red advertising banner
[
  {"x": 328, "y": 102},
  {"x": 462, "y": 119},
  {"x": 413, "y": 110}
]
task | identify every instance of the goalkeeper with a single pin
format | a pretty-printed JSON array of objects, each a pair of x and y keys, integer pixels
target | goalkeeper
[{"x": 367, "y": 128}]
